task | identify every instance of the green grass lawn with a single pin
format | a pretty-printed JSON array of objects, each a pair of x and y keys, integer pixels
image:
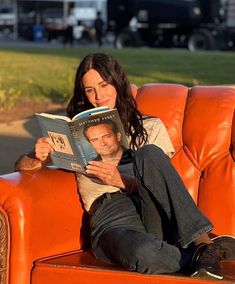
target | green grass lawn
[{"x": 48, "y": 73}]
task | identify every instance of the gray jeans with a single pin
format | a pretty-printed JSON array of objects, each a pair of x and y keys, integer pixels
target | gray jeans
[{"x": 152, "y": 235}]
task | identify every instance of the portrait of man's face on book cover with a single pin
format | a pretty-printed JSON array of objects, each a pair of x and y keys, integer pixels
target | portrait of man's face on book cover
[
  {"x": 105, "y": 138},
  {"x": 61, "y": 142}
]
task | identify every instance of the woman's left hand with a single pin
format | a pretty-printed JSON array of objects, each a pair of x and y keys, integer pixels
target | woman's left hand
[{"x": 107, "y": 172}]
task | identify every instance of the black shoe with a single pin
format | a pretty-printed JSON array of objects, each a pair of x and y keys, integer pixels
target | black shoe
[
  {"x": 206, "y": 262},
  {"x": 227, "y": 244}
]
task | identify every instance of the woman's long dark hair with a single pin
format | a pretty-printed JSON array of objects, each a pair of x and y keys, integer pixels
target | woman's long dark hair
[{"x": 111, "y": 72}]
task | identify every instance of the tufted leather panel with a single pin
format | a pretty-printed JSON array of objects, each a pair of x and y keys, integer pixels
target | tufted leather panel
[
  {"x": 154, "y": 99},
  {"x": 207, "y": 135}
]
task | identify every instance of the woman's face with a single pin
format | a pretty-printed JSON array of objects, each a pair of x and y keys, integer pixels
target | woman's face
[{"x": 98, "y": 91}]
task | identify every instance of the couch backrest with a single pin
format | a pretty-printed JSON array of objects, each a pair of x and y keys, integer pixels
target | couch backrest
[{"x": 201, "y": 124}]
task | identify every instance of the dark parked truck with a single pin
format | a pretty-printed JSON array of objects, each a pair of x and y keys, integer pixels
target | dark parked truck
[{"x": 196, "y": 24}]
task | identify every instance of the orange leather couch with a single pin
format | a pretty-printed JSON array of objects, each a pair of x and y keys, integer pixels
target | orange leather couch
[{"x": 43, "y": 227}]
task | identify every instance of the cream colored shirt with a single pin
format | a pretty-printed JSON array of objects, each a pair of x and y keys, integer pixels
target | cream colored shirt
[{"x": 90, "y": 189}]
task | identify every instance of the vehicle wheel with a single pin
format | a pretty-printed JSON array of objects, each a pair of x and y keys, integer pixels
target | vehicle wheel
[
  {"x": 126, "y": 39},
  {"x": 201, "y": 40}
]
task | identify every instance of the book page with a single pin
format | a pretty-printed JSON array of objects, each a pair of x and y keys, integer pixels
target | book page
[
  {"x": 54, "y": 116},
  {"x": 91, "y": 111}
]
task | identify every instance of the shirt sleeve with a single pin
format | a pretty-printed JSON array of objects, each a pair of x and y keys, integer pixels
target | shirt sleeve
[{"x": 158, "y": 135}]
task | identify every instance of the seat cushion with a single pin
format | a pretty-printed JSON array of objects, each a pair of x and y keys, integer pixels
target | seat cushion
[{"x": 82, "y": 267}]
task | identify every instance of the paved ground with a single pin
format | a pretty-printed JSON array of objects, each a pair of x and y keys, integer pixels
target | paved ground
[
  {"x": 53, "y": 44},
  {"x": 16, "y": 137}
]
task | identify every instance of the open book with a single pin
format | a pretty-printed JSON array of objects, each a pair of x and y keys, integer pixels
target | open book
[{"x": 74, "y": 148}]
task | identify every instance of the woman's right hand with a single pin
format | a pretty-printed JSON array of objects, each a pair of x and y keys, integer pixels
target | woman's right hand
[{"x": 43, "y": 147}]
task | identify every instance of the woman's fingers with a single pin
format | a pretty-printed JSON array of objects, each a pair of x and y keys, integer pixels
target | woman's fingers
[
  {"x": 107, "y": 172},
  {"x": 43, "y": 148},
  {"x": 99, "y": 167}
]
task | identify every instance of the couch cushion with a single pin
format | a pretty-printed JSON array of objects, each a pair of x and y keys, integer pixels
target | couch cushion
[
  {"x": 166, "y": 101},
  {"x": 208, "y": 139},
  {"x": 82, "y": 267}
]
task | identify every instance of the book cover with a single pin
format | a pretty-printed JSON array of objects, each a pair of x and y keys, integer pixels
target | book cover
[{"x": 73, "y": 149}]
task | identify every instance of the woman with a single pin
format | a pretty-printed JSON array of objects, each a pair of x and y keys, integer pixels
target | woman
[{"x": 143, "y": 218}]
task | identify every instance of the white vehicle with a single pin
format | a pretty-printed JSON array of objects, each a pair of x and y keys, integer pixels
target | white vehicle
[
  {"x": 7, "y": 19},
  {"x": 85, "y": 12},
  {"x": 85, "y": 17}
]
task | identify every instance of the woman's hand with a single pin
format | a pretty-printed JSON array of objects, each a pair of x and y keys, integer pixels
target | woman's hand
[
  {"x": 43, "y": 147},
  {"x": 36, "y": 159},
  {"x": 107, "y": 172}
]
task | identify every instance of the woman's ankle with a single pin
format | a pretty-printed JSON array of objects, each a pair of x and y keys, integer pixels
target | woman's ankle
[{"x": 204, "y": 238}]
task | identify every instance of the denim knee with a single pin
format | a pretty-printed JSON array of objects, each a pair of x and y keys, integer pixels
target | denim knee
[
  {"x": 150, "y": 152},
  {"x": 138, "y": 251},
  {"x": 154, "y": 258}
]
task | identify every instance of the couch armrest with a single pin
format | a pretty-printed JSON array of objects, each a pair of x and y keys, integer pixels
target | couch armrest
[{"x": 41, "y": 215}]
